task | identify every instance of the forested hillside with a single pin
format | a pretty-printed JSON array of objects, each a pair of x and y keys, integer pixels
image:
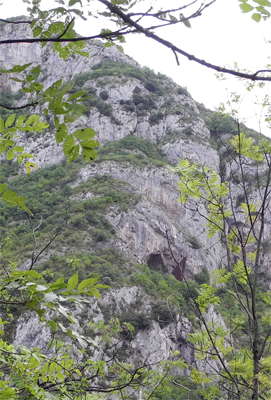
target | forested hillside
[{"x": 115, "y": 220}]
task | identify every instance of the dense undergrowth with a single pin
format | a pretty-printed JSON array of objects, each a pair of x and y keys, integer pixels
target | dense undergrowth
[
  {"x": 75, "y": 214},
  {"x": 156, "y": 83},
  {"x": 84, "y": 241},
  {"x": 133, "y": 149}
]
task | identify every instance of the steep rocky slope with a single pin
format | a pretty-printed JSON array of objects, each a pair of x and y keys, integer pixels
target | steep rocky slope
[{"x": 118, "y": 216}]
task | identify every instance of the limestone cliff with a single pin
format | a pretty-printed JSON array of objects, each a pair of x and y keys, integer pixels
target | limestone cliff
[{"x": 123, "y": 209}]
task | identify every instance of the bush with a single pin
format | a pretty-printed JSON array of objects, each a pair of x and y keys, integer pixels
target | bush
[
  {"x": 100, "y": 235},
  {"x": 139, "y": 321},
  {"x": 220, "y": 123},
  {"x": 167, "y": 291},
  {"x": 104, "y": 95},
  {"x": 182, "y": 91},
  {"x": 105, "y": 262},
  {"x": 109, "y": 192},
  {"x": 132, "y": 149},
  {"x": 162, "y": 313},
  {"x": 156, "y": 84},
  {"x": 128, "y": 105},
  {"x": 103, "y": 107},
  {"x": 56, "y": 206},
  {"x": 143, "y": 102},
  {"x": 156, "y": 118},
  {"x": 202, "y": 277}
]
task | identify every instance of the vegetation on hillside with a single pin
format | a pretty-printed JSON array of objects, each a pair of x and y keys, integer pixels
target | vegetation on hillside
[{"x": 61, "y": 211}]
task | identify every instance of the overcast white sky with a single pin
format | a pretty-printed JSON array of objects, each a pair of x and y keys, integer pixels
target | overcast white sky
[{"x": 223, "y": 35}]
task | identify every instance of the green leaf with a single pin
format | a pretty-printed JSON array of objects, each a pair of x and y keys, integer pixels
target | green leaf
[
  {"x": 10, "y": 154},
  {"x": 15, "y": 69},
  {"x": 264, "y": 3},
  {"x": 263, "y": 11},
  {"x": 37, "y": 31},
  {"x": 89, "y": 154},
  {"x": 18, "y": 149},
  {"x": 256, "y": 17},
  {"x": 11, "y": 197},
  {"x": 74, "y": 153},
  {"x": 32, "y": 119},
  {"x": 61, "y": 133},
  {"x": 20, "y": 121},
  {"x": 90, "y": 144},
  {"x": 84, "y": 134},
  {"x": 68, "y": 144},
  {"x": 58, "y": 284},
  {"x": 33, "y": 74},
  {"x": 2, "y": 125},
  {"x": 73, "y": 282},
  {"x": 29, "y": 165},
  {"x": 8, "y": 393},
  {"x": 10, "y": 120},
  {"x": 207, "y": 296},
  {"x": 245, "y": 7},
  {"x": 87, "y": 283},
  {"x": 76, "y": 95},
  {"x": 53, "y": 325}
]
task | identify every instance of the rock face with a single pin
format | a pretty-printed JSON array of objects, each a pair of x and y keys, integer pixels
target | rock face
[{"x": 145, "y": 124}]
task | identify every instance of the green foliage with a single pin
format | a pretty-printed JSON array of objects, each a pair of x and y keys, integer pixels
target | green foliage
[
  {"x": 206, "y": 297},
  {"x": 59, "y": 208},
  {"x": 133, "y": 149},
  {"x": 139, "y": 321},
  {"x": 182, "y": 91},
  {"x": 62, "y": 107},
  {"x": 29, "y": 370},
  {"x": 79, "y": 214},
  {"x": 165, "y": 288},
  {"x": 258, "y": 8},
  {"x": 142, "y": 102},
  {"x": 238, "y": 291},
  {"x": 92, "y": 100},
  {"x": 181, "y": 388},
  {"x": 58, "y": 106},
  {"x": 8, "y": 136},
  {"x": 199, "y": 182},
  {"x": 246, "y": 146},
  {"x": 219, "y": 123},
  {"x": 156, "y": 118},
  {"x": 106, "y": 263},
  {"x": 202, "y": 277},
  {"x": 58, "y": 22},
  {"x": 156, "y": 84}
]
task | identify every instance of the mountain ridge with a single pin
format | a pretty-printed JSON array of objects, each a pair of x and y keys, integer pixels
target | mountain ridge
[{"x": 119, "y": 216}]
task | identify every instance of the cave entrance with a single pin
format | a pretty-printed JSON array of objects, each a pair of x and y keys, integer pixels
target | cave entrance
[{"x": 155, "y": 262}]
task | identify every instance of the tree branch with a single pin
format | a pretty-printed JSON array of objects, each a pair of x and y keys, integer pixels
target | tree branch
[
  {"x": 7, "y": 21},
  {"x": 19, "y": 107},
  {"x": 125, "y": 18}
]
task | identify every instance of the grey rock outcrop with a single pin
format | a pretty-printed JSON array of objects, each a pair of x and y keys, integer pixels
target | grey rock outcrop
[{"x": 164, "y": 115}]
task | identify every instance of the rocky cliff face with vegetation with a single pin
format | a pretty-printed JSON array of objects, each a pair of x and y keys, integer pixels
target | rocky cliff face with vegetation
[{"x": 118, "y": 216}]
